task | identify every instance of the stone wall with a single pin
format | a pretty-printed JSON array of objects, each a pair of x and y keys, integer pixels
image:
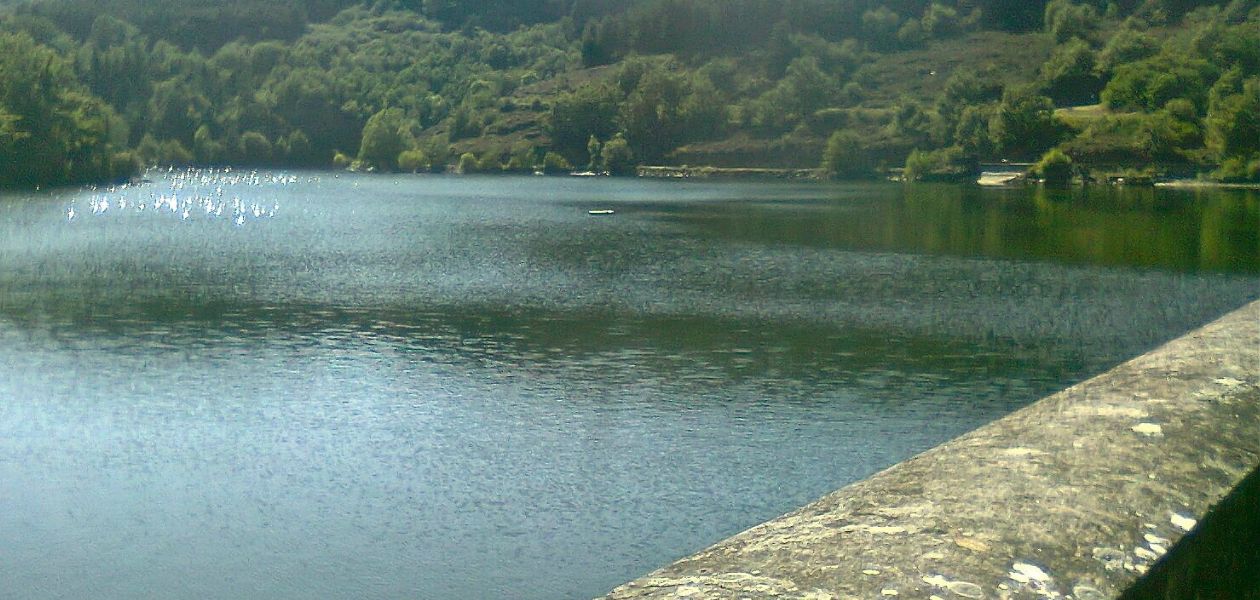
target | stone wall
[{"x": 1076, "y": 496}]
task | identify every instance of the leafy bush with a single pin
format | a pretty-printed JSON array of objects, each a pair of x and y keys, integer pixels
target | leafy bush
[
  {"x": 1065, "y": 20},
  {"x": 846, "y": 157},
  {"x": 617, "y": 157},
  {"x": 254, "y": 148},
  {"x": 1233, "y": 122},
  {"x": 467, "y": 163},
  {"x": 341, "y": 160},
  {"x": 1024, "y": 123},
  {"x": 554, "y": 163},
  {"x": 1069, "y": 74},
  {"x": 1055, "y": 167},
  {"x": 383, "y": 140},
  {"x": 945, "y": 164},
  {"x": 1239, "y": 170},
  {"x": 413, "y": 161}
]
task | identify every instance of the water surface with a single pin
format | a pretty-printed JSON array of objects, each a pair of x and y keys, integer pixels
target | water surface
[{"x": 316, "y": 385}]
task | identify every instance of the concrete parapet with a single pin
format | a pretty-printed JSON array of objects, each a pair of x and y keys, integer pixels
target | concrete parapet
[{"x": 1076, "y": 496}]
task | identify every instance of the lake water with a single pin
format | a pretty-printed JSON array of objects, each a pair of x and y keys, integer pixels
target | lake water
[{"x": 334, "y": 386}]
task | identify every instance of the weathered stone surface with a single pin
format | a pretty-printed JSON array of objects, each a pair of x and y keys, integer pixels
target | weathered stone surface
[{"x": 1074, "y": 496}]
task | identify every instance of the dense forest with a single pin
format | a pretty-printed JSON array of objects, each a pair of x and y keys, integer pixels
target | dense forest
[{"x": 92, "y": 89}]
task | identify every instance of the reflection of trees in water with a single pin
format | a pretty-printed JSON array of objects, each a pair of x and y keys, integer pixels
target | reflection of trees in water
[{"x": 1211, "y": 230}]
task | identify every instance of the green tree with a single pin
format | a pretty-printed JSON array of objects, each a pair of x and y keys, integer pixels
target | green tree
[
  {"x": 1169, "y": 133},
  {"x": 413, "y": 161},
  {"x": 1055, "y": 167},
  {"x": 554, "y": 163},
  {"x": 651, "y": 115},
  {"x": 206, "y": 150},
  {"x": 945, "y": 164},
  {"x": 941, "y": 21},
  {"x": 593, "y": 150},
  {"x": 467, "y": 163},
  {"x": 255, "y": 149},
  {"x": 1069, "y": 74},
  {"x": 52, "y": 130},
  {"x": 617, "y": 156},
  {"x": 383, "y": 140},
  {"x": 299, "y": 150},
  {"x": 576, "y": 117},
  {"x": 1065, "y": 19},
  {"x": 879, "y": 27},
  {"x": 1233, "y": 123},
  {"x": 1024, "y": 123},
  {"x": 972, "y": 131},
  {"x": 176, "y": 109},
  {"x": 1126, "y": 46},
  {"x": 911, "y": 34},
  {"x": 846, "y": 157}
]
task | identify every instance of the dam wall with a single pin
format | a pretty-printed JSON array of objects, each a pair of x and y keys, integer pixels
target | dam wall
[{"x": 1141, "y": 482}]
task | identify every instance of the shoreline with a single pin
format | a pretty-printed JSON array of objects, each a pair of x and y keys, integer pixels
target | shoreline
[
  {"x": 1190, "y": 184},
  {"x": 711, "y": 173}
]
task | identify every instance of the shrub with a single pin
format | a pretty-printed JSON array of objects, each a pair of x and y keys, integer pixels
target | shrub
[
  {"x": 946, "y": 164},
  {"x": 254, "y": 148},
  {"x": 617, "y": 157},
  {"x": 382, "y": 140},
  {"x": 489, "y": 162},
  {"x": 341, "y": 161},
  {"x": 467, "y": 163},
  {"x": 846, "y": 157},
  {"x": 1055, "y": 167},
  {"x": 413, "y": 161},
  {"x": 554, "y": 163},
  {"x": 940, "y": 20},
  {"x": 1239, "y": 170}
]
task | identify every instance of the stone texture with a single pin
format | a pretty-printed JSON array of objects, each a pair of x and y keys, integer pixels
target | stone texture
[{"x": 1074, "y": 496}]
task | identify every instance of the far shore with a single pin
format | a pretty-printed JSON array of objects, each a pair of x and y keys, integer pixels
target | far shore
[{"x": 1199, "y": 183}]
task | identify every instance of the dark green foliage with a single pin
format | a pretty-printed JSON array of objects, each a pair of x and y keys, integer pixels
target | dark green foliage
[
  {"x": 911, "y": 35},
  {"x": 153, "y": 151},
  {"x": 940, "y": 20},
  {"x": 554, "y": 163},
  {"x": 1065, "y": 19},
  {"x": 971, "y": 133},
  {"x": 1165, "y": 134},
  {"x": 1239, "y": 170},
  {"x": 1069, "y": 75},
  {"x": 255, "y": 149},
  {"x": 1149, "y": 84},
  {"x": 1233, "y": 123},
  {"x": 665, "y": 109},
  {"x": 945, "y": 164},
  {"x": 1126, "y": 46},
  {"x": 89, "y": 87},
  {"x": 616, "y": 156},
  {"x": 576, "y": 117},
  {"x": 467, "y": 163},
  {"x": 383, "y": 140},
  {"x": 298, "y": 149},
  {"x": 52, "y": 130},
  {"x": 846, "y": 157},
  {"x": 413, "y": 161},
  {"x": 194, "y": 23},
  {"x": 207, "y": 150},
  {"x": 1024, "y": 124},
  {"x": 1012, "y": 16},
  {"x": 1055, "y": 167},
  {"x": 880, "y": 26}
]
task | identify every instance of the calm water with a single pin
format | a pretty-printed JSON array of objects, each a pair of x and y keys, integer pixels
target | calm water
[{"x": 315, "y": 386}]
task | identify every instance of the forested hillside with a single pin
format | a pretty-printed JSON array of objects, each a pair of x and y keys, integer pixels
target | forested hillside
[{"x": 91, "y": 89}]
